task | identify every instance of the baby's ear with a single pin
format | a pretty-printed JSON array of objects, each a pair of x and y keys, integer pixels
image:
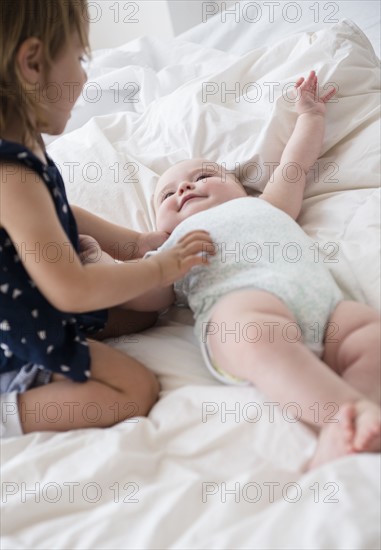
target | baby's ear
[{"x": 30, "y": 60}]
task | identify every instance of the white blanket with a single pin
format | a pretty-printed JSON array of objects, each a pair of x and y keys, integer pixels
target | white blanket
[{"x": 212, "y": 466}]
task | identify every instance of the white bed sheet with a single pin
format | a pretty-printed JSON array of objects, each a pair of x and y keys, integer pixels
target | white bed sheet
[
  {"x": 249, "y": 24},
  {"x": 193, "y": 474}
]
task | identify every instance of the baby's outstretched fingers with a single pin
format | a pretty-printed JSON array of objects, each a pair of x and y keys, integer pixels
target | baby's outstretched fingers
[
  {"x": 309, "y": 101},
  {"x": 326, "y": 97},
  {"x": 310, "y": 84}
]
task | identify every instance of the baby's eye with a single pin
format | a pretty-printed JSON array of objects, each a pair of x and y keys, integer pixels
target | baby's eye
[
  {"x": 203, "y": 177},
  {"x": 166, "y": 195}
]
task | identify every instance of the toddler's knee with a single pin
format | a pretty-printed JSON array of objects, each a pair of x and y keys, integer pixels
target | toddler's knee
[
  {"x": 148, "y": 392},
  {"x": 142, "y": 392},
  {"x": 138, "y": 399}
]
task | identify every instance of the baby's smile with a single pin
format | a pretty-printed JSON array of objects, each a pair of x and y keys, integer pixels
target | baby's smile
[{"x": 188, "y": 198}]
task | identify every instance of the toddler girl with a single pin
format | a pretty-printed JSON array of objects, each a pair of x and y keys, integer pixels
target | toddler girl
[{"x": 53, "y": 376}]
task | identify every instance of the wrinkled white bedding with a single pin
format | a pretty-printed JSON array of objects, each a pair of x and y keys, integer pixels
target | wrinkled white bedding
[
  {"x": 195, "y": 474},
  {"x": 249, "y": 24}
]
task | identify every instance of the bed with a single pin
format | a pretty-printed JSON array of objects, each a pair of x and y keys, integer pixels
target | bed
[{"x": 213, "y": 466}]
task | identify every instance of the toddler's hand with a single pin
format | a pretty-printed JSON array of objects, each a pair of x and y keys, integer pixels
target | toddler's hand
[
  {"x": 308, "y": 100},
  {"x": 90, "y": 251},
  {"x": 150, "y": 241},
  {"x": 189, "y": 251}
]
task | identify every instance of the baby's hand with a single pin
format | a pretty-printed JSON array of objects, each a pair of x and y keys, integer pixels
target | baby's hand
[
  {"x": 189, "y": 251},
  {"x": 308, "y": 100}
]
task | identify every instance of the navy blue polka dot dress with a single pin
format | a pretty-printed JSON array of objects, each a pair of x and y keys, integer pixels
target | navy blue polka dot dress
[{"x": 31, "y": 329}]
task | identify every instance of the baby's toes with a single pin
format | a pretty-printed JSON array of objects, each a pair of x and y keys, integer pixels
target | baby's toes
[{"x": 369, "y": 441}]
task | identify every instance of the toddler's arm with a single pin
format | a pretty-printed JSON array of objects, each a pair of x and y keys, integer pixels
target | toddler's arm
[
  {"x": 28, "y": 215},
  {"x": 117, "y": 241},
  {"x": 285, "y": 189},
  {"x": 154, "y": 300}
]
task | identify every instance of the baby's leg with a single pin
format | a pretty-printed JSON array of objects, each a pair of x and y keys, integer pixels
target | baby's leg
[
  {"x": 119, "y": 387},
  {"x": 353, "y": 350},
  {"x": 266, "y": 353}
]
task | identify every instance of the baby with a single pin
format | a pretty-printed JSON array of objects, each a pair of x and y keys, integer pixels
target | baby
[{"x": 266, "y": 312}]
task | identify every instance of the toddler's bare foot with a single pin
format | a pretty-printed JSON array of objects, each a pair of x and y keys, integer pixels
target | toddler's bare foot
[
  {"x": 336, "y": 438},
  {"x": 368, "y": 427}
]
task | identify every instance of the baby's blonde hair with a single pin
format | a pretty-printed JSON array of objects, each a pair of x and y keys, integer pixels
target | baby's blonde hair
[{"x": 51, "y": 21}]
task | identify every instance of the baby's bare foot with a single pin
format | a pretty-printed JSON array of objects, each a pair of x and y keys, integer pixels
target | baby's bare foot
[
  {"x": 336, "y": 438},
  {"x": 368, "y": 427}
]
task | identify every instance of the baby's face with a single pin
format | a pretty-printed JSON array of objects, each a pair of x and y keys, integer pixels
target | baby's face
[{"x": 190, "y": 187}]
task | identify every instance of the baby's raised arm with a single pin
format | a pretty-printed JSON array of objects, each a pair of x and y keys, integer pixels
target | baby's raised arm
[{"x": 286, "y": 187}]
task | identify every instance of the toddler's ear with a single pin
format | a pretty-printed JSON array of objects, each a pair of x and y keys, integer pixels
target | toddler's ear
[{"x": 30, "y": 60}]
